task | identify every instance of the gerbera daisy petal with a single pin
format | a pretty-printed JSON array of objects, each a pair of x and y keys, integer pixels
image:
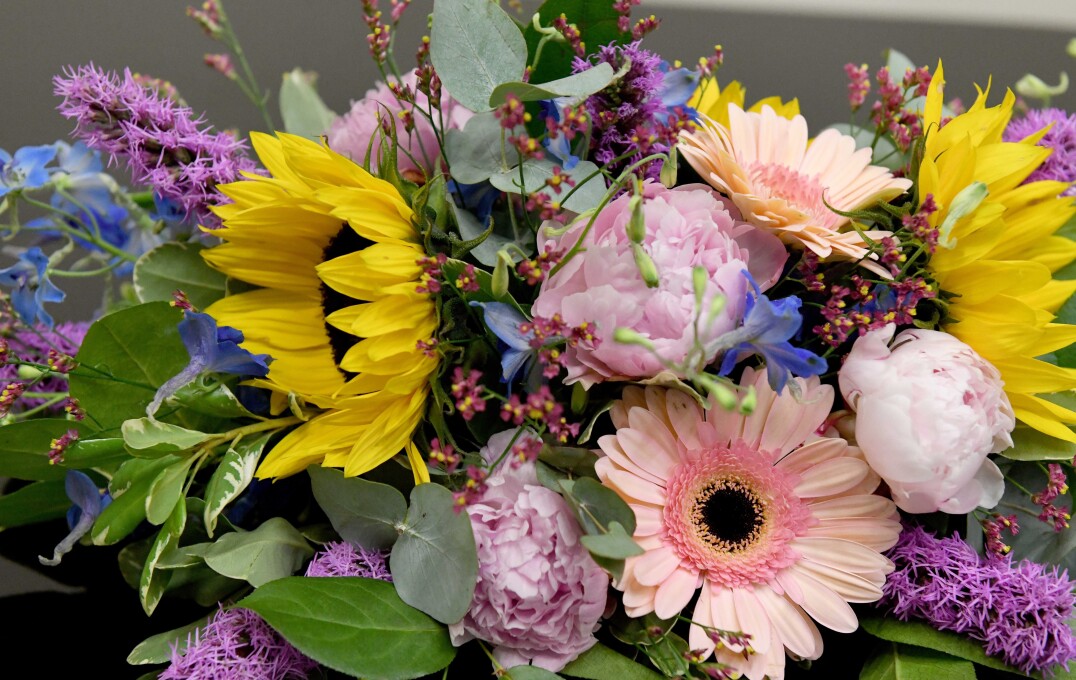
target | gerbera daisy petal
[
  {"x": 825, "y": 606},
  {"x": 831, "y": 477},
  {"x": 798, "y": 633}
]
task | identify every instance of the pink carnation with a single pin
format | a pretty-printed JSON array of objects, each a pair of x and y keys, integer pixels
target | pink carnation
[
  {"x": 351, "y": 133},
  {"x": 539, "y": 594},
  {"x": 928, "y": 411},
  {"x": 686, "y": 227}
]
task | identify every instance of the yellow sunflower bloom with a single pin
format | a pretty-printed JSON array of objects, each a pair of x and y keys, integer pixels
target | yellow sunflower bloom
[
  {"x": 334, "y": 250},
  {"x": 711, "y": 100},
  {"x": 999, "y": 258}
]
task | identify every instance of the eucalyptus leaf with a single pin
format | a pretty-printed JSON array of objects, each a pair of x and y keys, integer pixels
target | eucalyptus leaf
[
  {"x": 153, "y": 582},
  {"x": 233, "y": 474},
  {"x": 470, "y": 228},
  {"x": 123, "y": 359},
  {"x": 274, "y": 550},
  {"x": 577, "y": 85},
  {"x": 601, "y": 663},
  {"x": 1030, "y": 444},
  {"x": 475, "y": 152},
  {"x": 24, "y": 448},
  {"x": 362, "y": 512},
  {"x": 145, "y": 434},
  {"x": 434, "y": 563},
  {"x": 475, "y": 46},
  {"x": 1037, "y": 541},
  {"x": 920, "y": 634},
  {"x": 177, "y": 266},
  {"x": 530, "y": 673},
  {"x": 158, "y": 648},
  {"x": 903, "y": 662},
  {"x": 36, "y": 502},
  {"x": 356, "y": 626},
  {"x": 598, "y": 506},
  {"x": 615, "y": 544},
  {"x": 588, "y": 192},
  {"x": 301, "y": 108},
  {"x": 166, "y": 491}
]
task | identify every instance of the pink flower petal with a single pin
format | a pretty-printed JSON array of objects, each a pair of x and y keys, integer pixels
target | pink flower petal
[
  {"x": 824, "y": 605},
  {"x": 831, "y": 477},
  {"x": 655, "y": 566},
  {"x": 796, "y": 630},
  {"x": 675, "y": 592}
]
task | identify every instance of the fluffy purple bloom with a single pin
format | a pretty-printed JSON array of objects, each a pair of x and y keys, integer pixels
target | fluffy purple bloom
[
  {"x": 1019, "y": 611},
  {"x": 1061, "y": 165},
  {"x": 34, "y": 345},
  {"x": 340, "y": 558},
  {"x": 164, "y": 144},
  {"x": 238, "y": 644},
  {"x": 641, "y": 112},
  {"x": 539, "y": 594}
]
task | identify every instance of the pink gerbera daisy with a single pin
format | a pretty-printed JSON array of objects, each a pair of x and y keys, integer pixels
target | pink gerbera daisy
[
  {"x": 778, "y": 525},
  {"x": 763, "y": 162}
]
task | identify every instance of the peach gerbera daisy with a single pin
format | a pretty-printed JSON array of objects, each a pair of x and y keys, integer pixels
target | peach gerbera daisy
[
  {"x": 763, "y": 162},
  {"x": 778, "y": 533}
]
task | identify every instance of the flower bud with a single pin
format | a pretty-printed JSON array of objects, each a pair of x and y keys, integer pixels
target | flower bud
[
  {"x": 637, "y": 222},
  {"x": 647, "y": 269},
  {"x": 667, "y": 176},
  {"x": 1032, "y": 86},
  {"x": 499, "y": 283}
]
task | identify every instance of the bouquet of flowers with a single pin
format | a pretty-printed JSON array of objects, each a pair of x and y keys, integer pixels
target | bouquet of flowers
[{"x": 551, "y": 358}]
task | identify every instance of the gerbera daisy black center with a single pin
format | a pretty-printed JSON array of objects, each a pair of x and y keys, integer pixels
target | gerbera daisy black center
[
  {"x": 728, "y": 514},
  {"x": 345, "y": 242}
]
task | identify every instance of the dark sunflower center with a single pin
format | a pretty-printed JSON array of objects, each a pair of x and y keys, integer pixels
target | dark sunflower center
[
  {"x": 729, "y": 515},
  {"x": 345, "y": 242}
]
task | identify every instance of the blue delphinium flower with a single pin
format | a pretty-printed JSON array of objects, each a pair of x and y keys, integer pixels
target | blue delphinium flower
[
  {"x": 767, "y": 328},
  {"x": 559, "y": 147},
  {"x": 26, "y": 169},
  {"x": 31, "y": 287},
  {"x": 516, "y": 351},
  {"x": 212, "y": 349},
  {"x": 677, "y": 87},
  {"x": 88, "y": 504}
]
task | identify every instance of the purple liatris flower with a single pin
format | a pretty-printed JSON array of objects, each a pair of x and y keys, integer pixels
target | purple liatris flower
[
  {"x": 1019, "y": 611},
  {"x": 38, "y": 345},
  {"x": 165, "y": 146},
  {"x": 640, "y": 113},
  {"x": 1061, "y": 139},
  {"x": 237, "y": 643},
  {"x": 340, "y": 558},
  {"x": 539, "y": 594}
]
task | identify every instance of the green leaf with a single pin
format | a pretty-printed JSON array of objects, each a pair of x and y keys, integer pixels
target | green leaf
[
  {"x": 177, "y": 266},
  {"x": 597, "y": 24},
  {"x": 475, "y": 46},
  {"x": 1030, "y": 444},
  {"x": 900, "y": 662},
  {"x": 166, "y": 491},
  {"x": 434, "y": 563},
  {"x": 124, "y": 358},
  {"x": 36, "y": 502},
  {"x": 599, "y": 506},
  {"x": 530, "y": 673},
  {"x": 474, "y": 153},
  {"x": 207, "y": 396},
  {"x": 233, "y": 474},
  {"x": 130, "y": 487},
  {"x": 668, "y": 655},
  {"x": 470, "y": 228},
  {"x": 155, "y": 437},
  {"x": 153, "y": 582},
  {"x": 921, "y": 634},
  {"x": 158, "y": 648},
  {"x": 587, "y": 193},
  {"x": 362, "y": 512},
  {"x": 354, "y": 625},
  {"x": 616, "y": 544},
  {"x": 580, "y": 85},
  {"x": 95, "y": 453},
  {"x": 24, "y": 448},
  {"x": 601, "y": 663},
  {"x": 301, "y": 108},
  {"x": 273, "y": 550}
]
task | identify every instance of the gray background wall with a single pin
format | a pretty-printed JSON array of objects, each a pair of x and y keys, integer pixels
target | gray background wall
[{"x": 776, "y": 52}]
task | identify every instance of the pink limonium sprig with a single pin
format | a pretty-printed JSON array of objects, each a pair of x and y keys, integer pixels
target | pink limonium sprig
[{"x": 163, "y": 143}]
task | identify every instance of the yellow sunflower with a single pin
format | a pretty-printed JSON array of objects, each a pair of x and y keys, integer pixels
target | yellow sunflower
[
  {"x": 334, "y": 250},
  {"x": 711, "y": 100},
  {"x": 999, "y": 258}
]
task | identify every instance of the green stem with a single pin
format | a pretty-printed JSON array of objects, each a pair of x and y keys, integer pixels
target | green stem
[
  {"x": 24, "y": 415},
  {"x": 253, "y": 91},
  {"x": 77, "y": 233}
]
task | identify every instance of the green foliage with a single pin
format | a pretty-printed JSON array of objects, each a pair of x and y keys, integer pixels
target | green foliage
[
  {"x": 475, "y": 46},
  {"x": 668, "y": 655},
  {"x": 598, "y": 508},
  {"x": 301, "y": 108},
  {"x": 177, "y": 266},
  {"x": 233, "y": 474},
  {"x": 615, "y": 544},
  {"x": 354, "y": 625},
  {"x": 166, "y": 491},
  {"x": 362, "y": 512},
  {"x": 1037, "y": 541},
  {"x": 24, "y": 448},
  {"x": 919, "y": 634},
  {"x": 1030, "y": 444},
  {"x": 149, "y": 438},
  {"x": 475, "y": 152},
  {"x": 529, "y": 673},
  {"x": 577, "y": 85},
  {"x": 36, "y": 502},
  {"x": 601, "y": 663},
  {"x": 597, "y": 24},
  {"x": 903, "y": 662},
  {"x": 152, "y": 584},
  {"x": 531, "y": 176},
  {"x": 434, "y": 563},
  {"x": 208, "y": 397},
  {"x": 130, "y": 488},
  {"x": 274, "y": 550},
  {"x": 158, "y": 648}
]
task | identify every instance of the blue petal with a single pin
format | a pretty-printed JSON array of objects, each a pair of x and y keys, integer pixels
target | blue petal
[
  {"x": 678, "y": 86},
  {"x": 86, "y": 497},
  {"x": 218, "y": 349},
  {"x": 504, "y": 320}
]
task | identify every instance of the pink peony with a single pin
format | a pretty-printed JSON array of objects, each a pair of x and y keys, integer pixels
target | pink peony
[
  {"x": 539, "y": 594},
  {"x": 686, "y": 227},
  {"x": 928, "y": 411},
  {"x": 350, "y": 134}
]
